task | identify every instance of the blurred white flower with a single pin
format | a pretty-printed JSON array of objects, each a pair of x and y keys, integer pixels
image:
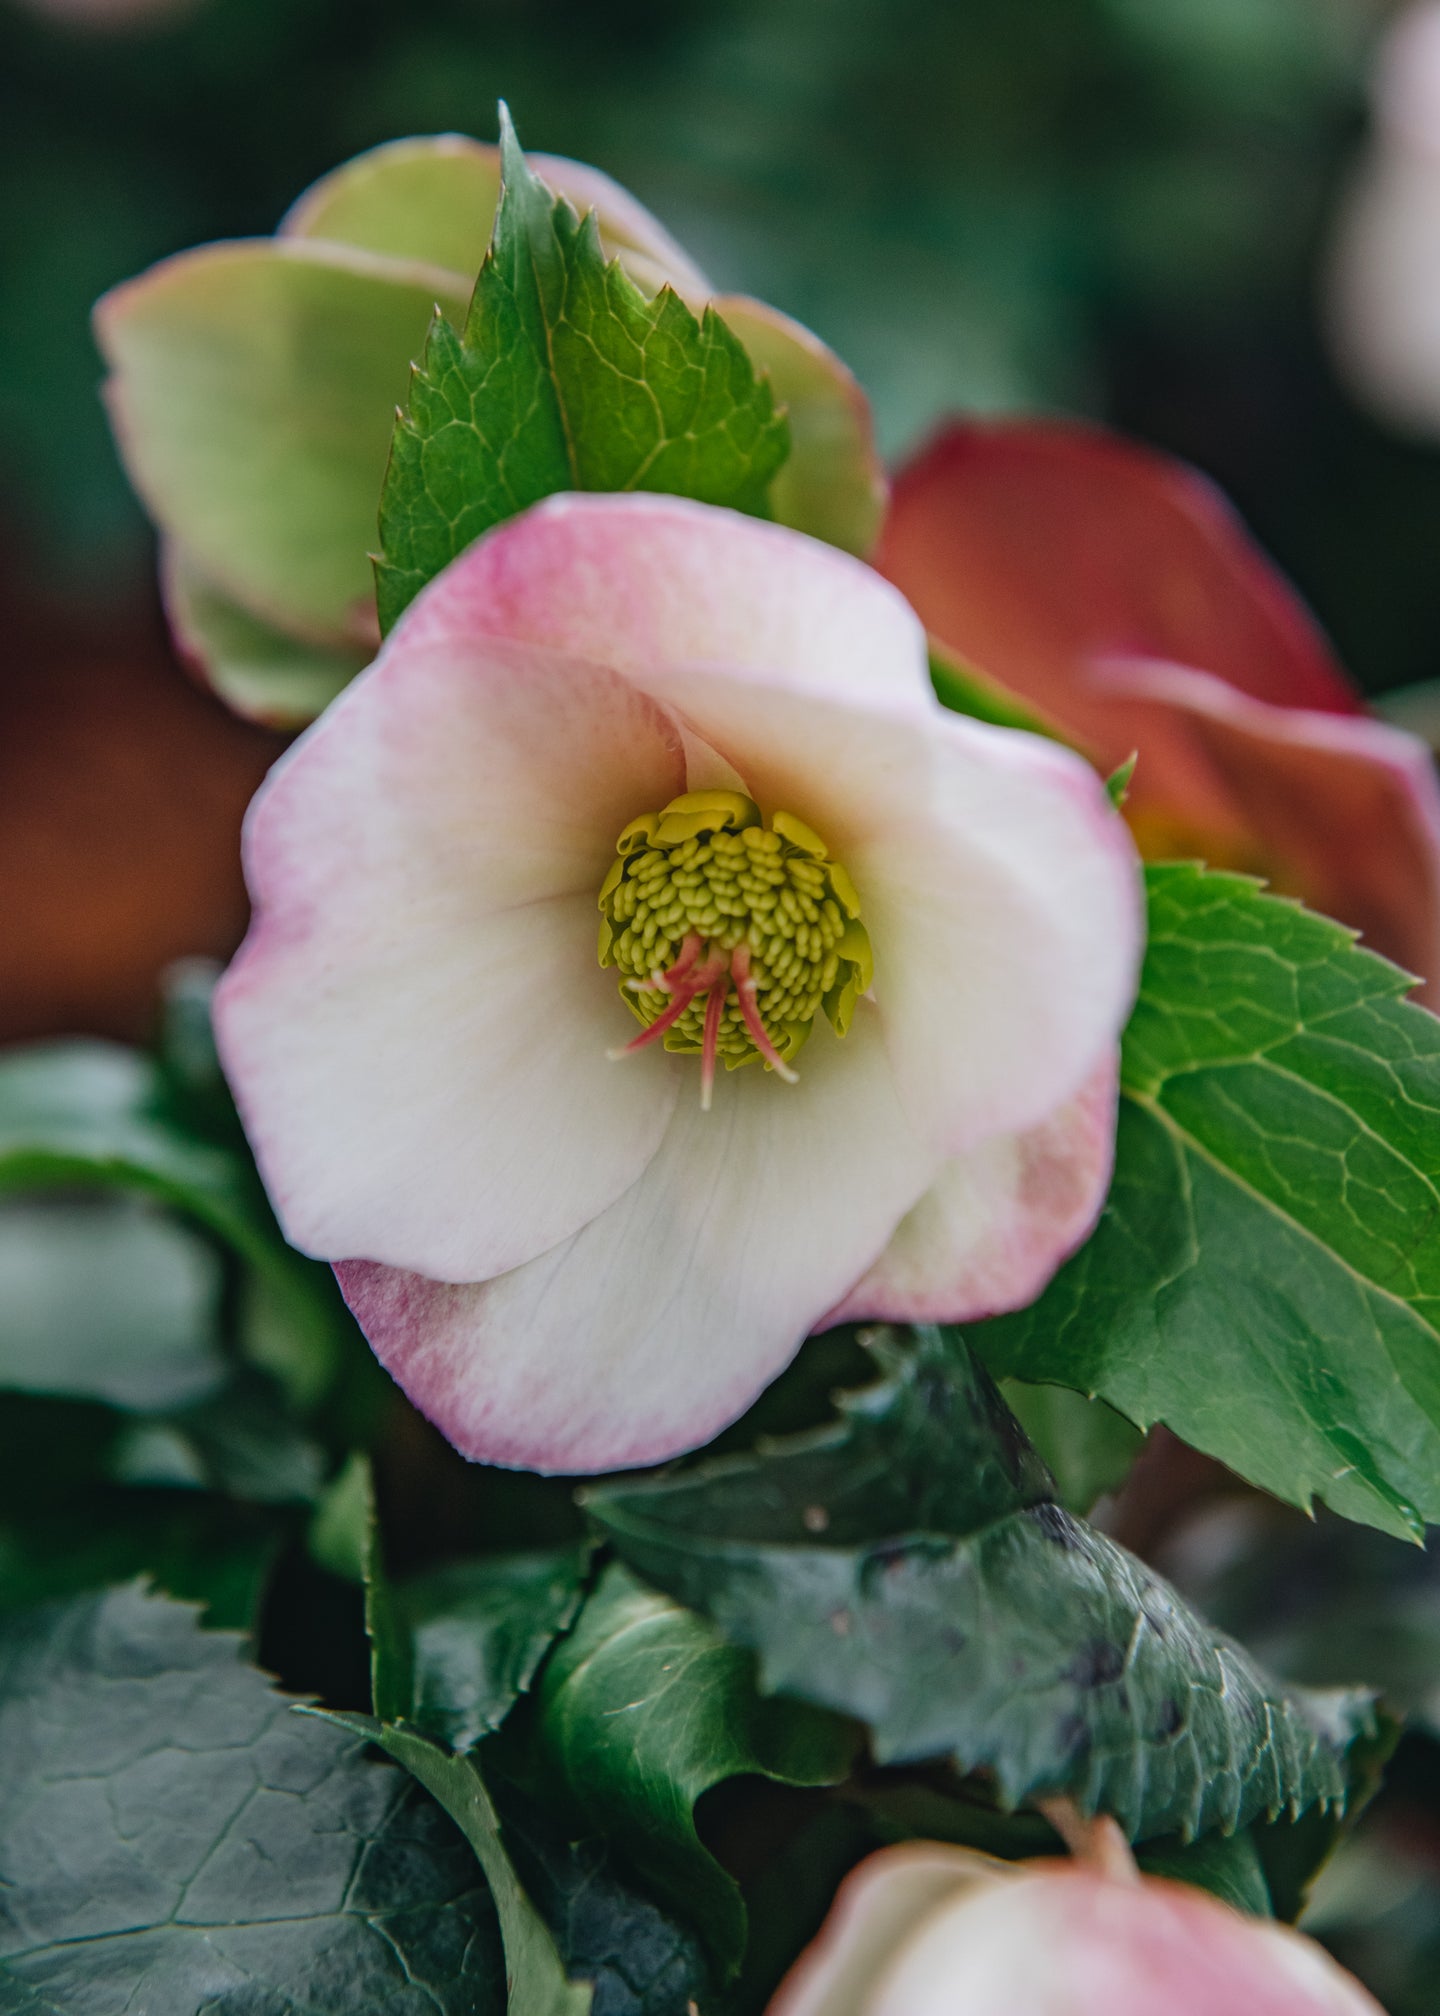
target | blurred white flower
[{"x": 1384, "y": 279}]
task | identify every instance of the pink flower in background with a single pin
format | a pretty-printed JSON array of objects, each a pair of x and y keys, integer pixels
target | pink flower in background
[
  {"x": 926, "y": 1930},
  {"x": 716, "y": 741},
  {"x": 1115, "y": 589}
]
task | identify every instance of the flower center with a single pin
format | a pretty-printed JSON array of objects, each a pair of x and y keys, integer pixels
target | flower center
[{"x": 730, "y": 936}]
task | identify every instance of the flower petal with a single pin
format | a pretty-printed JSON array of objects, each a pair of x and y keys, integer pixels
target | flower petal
[
  {"x": 642, "y": 582},
  {"x": 1342, "y": 812},
  {"x": 416, "y": 1026},
  {"x": 999, "y": 887},
  {"x": 262, "y": 672},
  {"x": 1034, "y": 547},
  {"x": 648, "y": 1331},
  {"x": 994, "y": 1226},
  {"x": 253, "y": 389},
  {"x": 833, "y": 484},
  {"x": 877, "y": 1908},
  {"x": 1077, "y": 1944},
  {"x": 433, "y": 198}
]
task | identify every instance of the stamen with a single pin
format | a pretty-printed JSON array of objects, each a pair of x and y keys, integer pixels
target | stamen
[
  {"x": 704, "y": 892},
  {"x": 714, "y": 1009},
  {"x": 746, "y": 989},
  {"x": 685, "y": 993}
]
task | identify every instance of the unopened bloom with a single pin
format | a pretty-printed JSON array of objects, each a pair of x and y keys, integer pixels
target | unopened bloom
[
  {"x": 927, "y": 1930},
  {"x": 712, "y": 742},
  {"x": 1116, "y": 590},
  {"x": 253, "y": 388}
]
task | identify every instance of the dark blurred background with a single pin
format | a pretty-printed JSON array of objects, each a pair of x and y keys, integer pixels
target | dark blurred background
[{"x": 1109, "y": 206}]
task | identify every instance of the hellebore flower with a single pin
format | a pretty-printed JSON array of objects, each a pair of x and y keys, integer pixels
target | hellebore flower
[
  {"x": 716, "y": 741},
  {"x": 1115, "y": 589},
  {"x": 926, "y": 1930},
  {"x": 1384, "y": 285},
  {"x": 253, "y": 389}
]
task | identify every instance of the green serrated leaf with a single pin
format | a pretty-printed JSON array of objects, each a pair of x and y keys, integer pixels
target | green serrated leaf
[
  {"x": 910, "y": 1567},
  {"x": 176, "y": 1838},
  {"x": 478, "y": 1630},
  {"x": 566, "y": 378},
  {"x": 642, "y": 1709},
  {"x": 538, "y": 1984},
  {"x": 1266, "y": 1276}
]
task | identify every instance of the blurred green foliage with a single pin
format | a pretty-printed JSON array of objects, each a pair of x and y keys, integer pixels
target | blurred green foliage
[{"x": 1108, "y": 205}]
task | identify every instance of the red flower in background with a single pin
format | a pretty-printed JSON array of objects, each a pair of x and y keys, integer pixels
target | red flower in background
[{"x": 1116, "y": 590}]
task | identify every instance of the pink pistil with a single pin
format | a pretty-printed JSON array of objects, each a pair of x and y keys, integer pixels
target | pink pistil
[
  {"x": 686, "y": 981},
  {"x": 667, "y": 982},
  {"x": 714, "y": 1009},
  {"x": 687, "y": 985},
  {"x": 746, "y": 987}
]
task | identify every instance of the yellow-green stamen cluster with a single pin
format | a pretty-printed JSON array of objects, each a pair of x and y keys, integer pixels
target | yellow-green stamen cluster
[{"x": 706, "y": 868}]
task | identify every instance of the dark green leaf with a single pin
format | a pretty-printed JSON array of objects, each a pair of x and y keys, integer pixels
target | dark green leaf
[
  {"x": 910, "y": 1567},
  {"x": 566, "y": 378},
  {"x": 642, "y": 1962},
  {"x": 202, "y": 1549},
  {"x": 88, "y": 1117},
  {"x": 478, "y": 1631},
  {"x": 1228, "y": 1865},
  {"x": 943, "y": 1807},
  {"x": 538, "y": 1983},
  {"x": 107, "y": 1298},
  {"x": 392, "y": 1656},
  {"x": 1266, "y": 1276},
  {"x": 642, "y": 1709},
  {"x": 790, "y": 1897},
  {"x": 177, "y": 1839},
  {"x": 239, "y": 1441},
  {"x": 194, "y": 1085},
  {"x": 1266, "y": 1868},
  {"x": 1087, "y": 1447}
]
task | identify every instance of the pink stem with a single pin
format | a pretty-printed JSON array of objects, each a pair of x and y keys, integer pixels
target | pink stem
[
  {"x": 747, "y": 989},
  {"x": 666, "y": 982},
  {"x": 709, "y": 973}
]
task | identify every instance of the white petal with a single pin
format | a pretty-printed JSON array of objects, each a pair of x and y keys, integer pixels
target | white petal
[
  {"x": 997, "y": 1222},
  {"x": 648, "y": 1331},
  {"x": 416, "y": 1026},
  {"x": 642, "y": 582}
]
